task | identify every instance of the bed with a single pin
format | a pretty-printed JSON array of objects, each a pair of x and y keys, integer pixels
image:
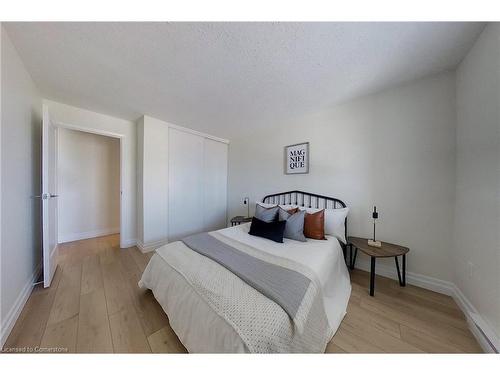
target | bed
[{"x": 213, "y": 311}]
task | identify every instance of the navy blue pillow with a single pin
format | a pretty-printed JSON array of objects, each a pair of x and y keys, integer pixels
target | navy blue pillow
[{"x": 272, "y": 231}]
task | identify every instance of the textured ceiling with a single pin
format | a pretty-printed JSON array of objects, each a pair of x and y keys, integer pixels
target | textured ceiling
[{"x": 222, "y": 77}]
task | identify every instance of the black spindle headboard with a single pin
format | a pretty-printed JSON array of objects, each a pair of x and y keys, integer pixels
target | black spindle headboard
[{"x": 304, "y": 199}]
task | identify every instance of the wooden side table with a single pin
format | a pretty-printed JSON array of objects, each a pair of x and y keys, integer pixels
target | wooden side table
[
  {"x": 387, "y": 250},
  {"x": 237, "y": 220}
]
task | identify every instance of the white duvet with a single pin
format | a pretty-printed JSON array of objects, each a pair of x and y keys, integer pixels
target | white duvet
[{"x": 202, "y": 330}]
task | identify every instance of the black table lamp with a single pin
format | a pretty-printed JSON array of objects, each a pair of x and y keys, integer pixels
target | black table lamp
[
  {"x": 374, "y": 242},
  {"x": 246, "y": 201}
]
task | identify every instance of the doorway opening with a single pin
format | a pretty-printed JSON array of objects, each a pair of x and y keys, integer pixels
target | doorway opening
[
  {"x": 88, "y": 186},
  {"x": 82, "y": 181}
]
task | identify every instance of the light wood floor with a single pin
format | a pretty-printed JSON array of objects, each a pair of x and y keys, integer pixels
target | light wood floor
[{"x": 95, "y": 305}]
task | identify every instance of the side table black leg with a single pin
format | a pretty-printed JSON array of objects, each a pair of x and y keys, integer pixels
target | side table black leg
[
  {"x": 372, "y": 277},
  {"x": 354, "y": 259},
  {"x": 399, "y": 273},
  {"x": 404, "y": 270},
  {"x": 350, "y": 258}
]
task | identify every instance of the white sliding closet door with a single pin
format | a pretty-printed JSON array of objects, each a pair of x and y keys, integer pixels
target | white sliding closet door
[
  {"x": 215, "y": 184},
  {"x": 185, "y": 182}
]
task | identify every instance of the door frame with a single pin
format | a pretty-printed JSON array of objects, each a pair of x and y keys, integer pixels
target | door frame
[{"x": 85, "y": 129}]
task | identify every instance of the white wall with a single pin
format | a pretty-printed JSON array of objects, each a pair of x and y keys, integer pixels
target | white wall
[
  {"x": 152, "y": 181},
  {"x": 20, "y": 165},
  {"x": 88, "y": 177},
  {"x": 476, "y": 254},
  {"x": 100, "y": 123},
  {"x": 394, "y": 149}
]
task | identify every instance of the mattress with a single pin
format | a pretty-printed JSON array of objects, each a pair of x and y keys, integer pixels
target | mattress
[{"x": 202, "y": 330}]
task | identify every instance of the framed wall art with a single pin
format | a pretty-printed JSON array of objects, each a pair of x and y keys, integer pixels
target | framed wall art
[{"x": 297, "y": 158}]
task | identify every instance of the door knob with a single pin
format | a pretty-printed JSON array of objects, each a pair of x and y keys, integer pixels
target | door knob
[{"x": 43, "y": 196}]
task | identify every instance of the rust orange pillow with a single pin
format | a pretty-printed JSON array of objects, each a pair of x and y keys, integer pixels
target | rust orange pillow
[{"x": 314, "y": 225}]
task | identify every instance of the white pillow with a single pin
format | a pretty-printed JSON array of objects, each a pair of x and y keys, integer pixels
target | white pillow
[
  {"x": 287, "y": 207},
  {"x": 334, "y": 221},
  {"x": 266, "y": 205},
  {"x": 310, "y": 210}
]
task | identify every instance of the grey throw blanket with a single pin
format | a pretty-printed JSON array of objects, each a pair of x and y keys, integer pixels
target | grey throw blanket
[{"x": 284, "y": 286}]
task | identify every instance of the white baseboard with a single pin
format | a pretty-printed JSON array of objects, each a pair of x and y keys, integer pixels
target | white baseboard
[
  {"x": 15, "y": 311},
  {"x": 140, "y": 246},
  {"x": 84, "y": 235},
  {"x": 151, "y": 246},
  {"x": 127, "y": 243},
  {"x": 479, "y": 327},
  {"x": 426, "y": 282}
]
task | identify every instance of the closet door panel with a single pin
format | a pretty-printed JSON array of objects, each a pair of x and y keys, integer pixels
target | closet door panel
[
  {"x": 215, "y": 184},
  {"x": 185, "y": 191}
]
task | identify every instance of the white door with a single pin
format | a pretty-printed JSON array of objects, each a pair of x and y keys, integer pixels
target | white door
[
  {"x": 215, "y": 184},
  {"x": 185, "y": 184},
  {"x": 49, "y": 198}
]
